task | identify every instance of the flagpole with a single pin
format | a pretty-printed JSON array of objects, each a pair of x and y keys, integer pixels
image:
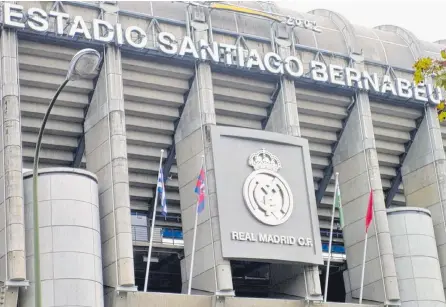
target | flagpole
[
  {"x": 368, "y": 220},
  {"x": 191, "y": 270},
  {"x": 189, "y": 287},
  {"x": 152, "y": 227},
  {"x": 331, "y": 238},
  {"x": 363, "y": 269}
]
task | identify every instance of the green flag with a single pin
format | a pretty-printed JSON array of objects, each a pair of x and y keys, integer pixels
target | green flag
[{"x": 338, "y": 205}]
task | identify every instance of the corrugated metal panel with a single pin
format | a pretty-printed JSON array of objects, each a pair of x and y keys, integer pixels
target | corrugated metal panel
[
  {"x": 142, "y": 234},
  {"x": 42, "y": 69},
  {"x": 241, "y": 102},
  {"x": 320, "y": 117},
  {"x": 392, "y": 126},
  {"x": 153, "y": 94}
]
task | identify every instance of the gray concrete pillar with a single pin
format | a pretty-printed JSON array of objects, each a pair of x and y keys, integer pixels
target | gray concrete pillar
[
  {"x": 9, "y": 296},
  {"x": 211, "y": 273},
  {"x": 423, "y": 174},
  {"x": 106, "y": 155},
  {"x": 284, "y": 118},
  {"x": 356, "y": 161},
  {"x": 416, "y": 257},
  {"x": 12, "y": 229},
  {"x": 69, "y": 238}
]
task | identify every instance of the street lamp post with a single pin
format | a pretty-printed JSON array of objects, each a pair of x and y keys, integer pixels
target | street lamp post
[{"x": 84, "y": 64}]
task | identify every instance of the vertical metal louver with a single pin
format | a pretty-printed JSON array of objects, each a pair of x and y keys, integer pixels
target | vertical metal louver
[
  {"x": 153, "y": 94},
  {"x": 42, "y": 69}
]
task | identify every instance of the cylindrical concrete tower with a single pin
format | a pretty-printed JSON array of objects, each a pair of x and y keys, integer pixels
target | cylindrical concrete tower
[
  {"x": 70, "y": 241},
  {"x": 416, "y": 257}
]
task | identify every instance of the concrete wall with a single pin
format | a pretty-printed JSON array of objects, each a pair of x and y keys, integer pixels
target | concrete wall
[
  {"x": 106, "y": 152},
  {"x": 423, "y": 176},
  {"x": 416, "y": 257},
  {"x": 289, "y": 280},
  {"x": 70, "y": 239},
  {"x": 211, "y": 272},
  {"x": 356, "y": 161},
  {"x": 12, "y": 229}
]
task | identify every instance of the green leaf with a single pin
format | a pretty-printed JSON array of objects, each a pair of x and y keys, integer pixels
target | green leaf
[
  {"x": 442, "y": 116},
  {"x": 440, "y": 80},
  {"x": 443, "y": 54}
]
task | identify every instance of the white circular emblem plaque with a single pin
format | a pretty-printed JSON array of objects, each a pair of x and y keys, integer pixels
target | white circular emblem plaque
[{"x": 267, "y": 195}]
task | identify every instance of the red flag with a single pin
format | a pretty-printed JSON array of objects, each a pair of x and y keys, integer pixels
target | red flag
[{"x": 369, "y": 215}]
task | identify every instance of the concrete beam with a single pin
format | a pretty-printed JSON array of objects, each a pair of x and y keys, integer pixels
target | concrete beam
[
  {"x": 356, "y": 160},
  {"x": 398, "y": 178},
  {"x": 423, "y": 175},
  {"x": 168, "y": 163},
  {"x": 9, "y": 296},
  {"x": 106, "y": 153},
  {"x": 211, "y": 272},
  {"x": 12, "y": 227},
  {"x": 299, "y": 280},
  {"x": 271, "y": 107},
  {"x": 171, "y": 152},
  {"x": 168, "y": 299},
  {"x": 328, "y": 171},
  {"x": 79, "y": 152}
]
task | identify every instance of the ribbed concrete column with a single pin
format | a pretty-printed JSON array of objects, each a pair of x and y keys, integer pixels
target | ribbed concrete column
[
  {"x": 211, "y": 273},
  {"x": 356, "y": 161},
  {"x": 12, "y": 230},
  {"x": 416, "y": 257},
  {"x": 106, "y": 154},
  {"x": 290, "y": 280},
  {"x": 423, "y": 173}
]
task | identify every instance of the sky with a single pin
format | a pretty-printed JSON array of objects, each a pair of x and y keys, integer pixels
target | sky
[{"x": 424, "y": 18}]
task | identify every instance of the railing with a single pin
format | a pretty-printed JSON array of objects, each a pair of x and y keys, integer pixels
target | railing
[
  {"x": 174, "y": 236},
  {"x": 336, "y": 233},
  {"x": 163, "y": 235},
  {"x": 334, "y": 248}
]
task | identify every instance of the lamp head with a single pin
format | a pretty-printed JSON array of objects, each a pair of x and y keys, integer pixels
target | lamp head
[{"x": 84, "y": 64}]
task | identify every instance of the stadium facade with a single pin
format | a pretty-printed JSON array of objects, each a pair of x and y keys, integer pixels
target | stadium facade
[{"x": 274, "y": 102}]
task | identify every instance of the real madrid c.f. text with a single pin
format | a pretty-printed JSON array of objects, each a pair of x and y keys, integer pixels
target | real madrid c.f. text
[
  {"x": 269, "y": 198},
  {"x": 269, "y": 238}
]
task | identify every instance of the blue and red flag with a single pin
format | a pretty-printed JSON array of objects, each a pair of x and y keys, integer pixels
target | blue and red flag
[{"x": 199, "y": 190}]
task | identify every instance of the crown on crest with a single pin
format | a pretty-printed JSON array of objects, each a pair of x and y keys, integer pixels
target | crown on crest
[{"x": 263, "y": 159}]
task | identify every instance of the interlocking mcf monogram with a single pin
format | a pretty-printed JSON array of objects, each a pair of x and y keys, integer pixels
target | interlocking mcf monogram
[{"x": 267, "y": 195}]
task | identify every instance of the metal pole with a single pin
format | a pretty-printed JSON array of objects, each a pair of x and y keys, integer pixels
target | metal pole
[
  {"x": 363, "y": 267},
  {"x": 37, "y": 280},
  {"x": 191, "y": 270},
  {"x": 189, "y": 287},
  {"x": 331, "y": 239},
  {"x": 152, "y": 228}
]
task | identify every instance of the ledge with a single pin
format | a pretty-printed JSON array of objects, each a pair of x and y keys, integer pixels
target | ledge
[
  {"x": 60, "y": 170},
  {"x": 153, "y": 299},
  {"x": 408, "y": 210}
]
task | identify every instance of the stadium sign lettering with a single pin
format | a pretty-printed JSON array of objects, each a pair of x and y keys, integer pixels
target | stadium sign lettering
[
  {"x": 293, "y": 67},
  {"x": 102, "y": 31},
  {"x": 269, "y": 238}
]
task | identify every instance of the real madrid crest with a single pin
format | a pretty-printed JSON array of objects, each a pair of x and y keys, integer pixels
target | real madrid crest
[{"x": 267, "y": 195}]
